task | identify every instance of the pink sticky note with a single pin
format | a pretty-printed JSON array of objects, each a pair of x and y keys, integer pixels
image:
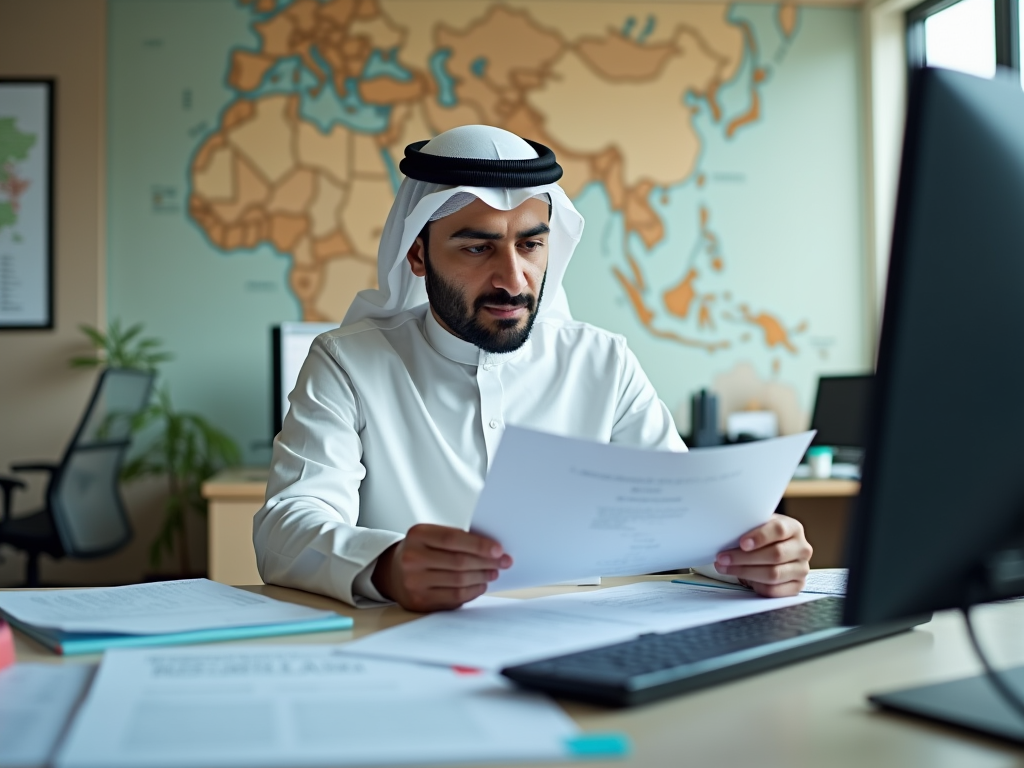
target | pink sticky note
[{"x": 6, "y": 645}]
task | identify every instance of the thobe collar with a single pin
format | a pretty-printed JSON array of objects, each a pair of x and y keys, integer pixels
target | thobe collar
[{"x": 461, "y": 351}]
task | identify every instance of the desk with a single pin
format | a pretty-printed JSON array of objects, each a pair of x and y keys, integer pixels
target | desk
[
  {"x": 235, "y": 495},
  {"x": 809, "y": 714}
]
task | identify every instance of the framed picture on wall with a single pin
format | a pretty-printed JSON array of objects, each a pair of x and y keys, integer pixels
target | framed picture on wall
[{"x": 26, "y": 203}]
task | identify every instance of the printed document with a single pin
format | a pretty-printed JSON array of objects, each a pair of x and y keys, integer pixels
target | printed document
[
  {"x": 495, "y": 635},
  {"x": 595, "y": 508},
  {"x": 36, "y": 702},
  {"x": 309, "y": 705},
  {"x": 148, "y": 609}
]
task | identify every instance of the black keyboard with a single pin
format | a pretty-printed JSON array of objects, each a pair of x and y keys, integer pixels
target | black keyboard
[{"x": 654, "y": 666}]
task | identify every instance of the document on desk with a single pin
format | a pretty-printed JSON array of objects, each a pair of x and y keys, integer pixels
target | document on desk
[
  {"x": 219, "y": 707},
  {"x": 159, "y": 608},
  {"x": 36, "y": 702},
  {"x": 612, "y": 510},
  {"x": 493, "y": 635}
]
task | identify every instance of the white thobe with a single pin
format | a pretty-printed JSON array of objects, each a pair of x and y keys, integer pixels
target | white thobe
[{"x": 395, "y": 422}]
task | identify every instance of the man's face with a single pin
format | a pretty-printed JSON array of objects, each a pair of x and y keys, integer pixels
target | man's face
[{"x": 485, "y": 272}]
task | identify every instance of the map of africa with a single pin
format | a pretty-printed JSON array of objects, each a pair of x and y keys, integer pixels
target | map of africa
[{"x": 713, "y": 149}]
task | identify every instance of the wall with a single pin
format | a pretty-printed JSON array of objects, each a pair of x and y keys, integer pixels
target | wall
[{"x": 41, "y": 398}]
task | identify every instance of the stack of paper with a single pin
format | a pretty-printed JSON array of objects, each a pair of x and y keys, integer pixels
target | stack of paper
[
  {"x": 36, "y": 701},
  {"x": 305, "y": 706},
  {"x": 73, "y": 621}
]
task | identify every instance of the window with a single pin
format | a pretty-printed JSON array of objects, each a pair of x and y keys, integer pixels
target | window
[{"x": 971, "y": 36}]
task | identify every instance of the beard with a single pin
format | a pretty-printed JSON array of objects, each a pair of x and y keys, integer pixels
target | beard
[{"x": 464, "y": 321}]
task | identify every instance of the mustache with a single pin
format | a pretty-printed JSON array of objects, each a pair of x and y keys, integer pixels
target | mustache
[{"x": 505, "y": 298}]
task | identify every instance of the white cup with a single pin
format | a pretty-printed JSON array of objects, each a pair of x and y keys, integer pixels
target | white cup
[{"x": 820, "y": 460}]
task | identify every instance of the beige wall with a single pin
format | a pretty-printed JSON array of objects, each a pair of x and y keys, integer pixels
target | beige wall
[{"x": 41, "y": 399}]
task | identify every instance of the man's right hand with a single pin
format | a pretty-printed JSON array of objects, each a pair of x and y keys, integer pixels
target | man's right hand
[{"x": 437, "y": 568}]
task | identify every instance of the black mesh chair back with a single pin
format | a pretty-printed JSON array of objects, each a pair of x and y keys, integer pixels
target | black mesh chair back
[{"x": 84, "y": 495}]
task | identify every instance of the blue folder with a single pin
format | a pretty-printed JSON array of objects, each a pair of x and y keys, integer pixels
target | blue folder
[{"x": 76, "y": 643}]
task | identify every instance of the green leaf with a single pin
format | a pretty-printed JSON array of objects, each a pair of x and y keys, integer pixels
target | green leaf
[{"x": 86, "y": 362}]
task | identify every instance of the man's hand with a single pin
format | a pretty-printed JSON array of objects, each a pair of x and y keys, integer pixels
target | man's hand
[
  {"x": 772, "y": 559},
  {"x": 437, "y": 568}
]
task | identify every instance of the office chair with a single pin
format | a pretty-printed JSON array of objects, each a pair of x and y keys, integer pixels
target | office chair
[{"x": 84, "y": 514}]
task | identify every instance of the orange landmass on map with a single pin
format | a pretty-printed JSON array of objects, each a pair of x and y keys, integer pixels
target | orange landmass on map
[
  {"x": 607, "y": 169},
  {"x": 711, "y": 96},
  {"x": 508, "y": 39},
  {"x": 511, "y": 43},
  {"x": 704, "y": 318},
  {"x": 774, "y": 332},
  {"x": 387, "y": 90},
  {"x": 248, "y": 69},
  {"x": 619, "y": 58},
  {"x": 640, "y": 217},
  {"x": 331, "y": 247},
  {"x": 710, "y": 240},
  {"x": 788, "y": 14},
  {"x": 286, "y": 230},
  {"x": 752, "y": 114},
  {"x": 634, "y": 291},
  {"x": 679, "y": 298},
  {"x": 635, "y": 297}
]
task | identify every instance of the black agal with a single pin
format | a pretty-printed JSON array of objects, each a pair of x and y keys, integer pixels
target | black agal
[{"x": 475, "y": 172}]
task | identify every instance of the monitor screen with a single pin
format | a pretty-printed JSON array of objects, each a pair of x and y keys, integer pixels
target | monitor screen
[
  {"x": 841, "y": 410},
  {"x": 291, "y": 342},
  {"x": 939, "y": 521}
]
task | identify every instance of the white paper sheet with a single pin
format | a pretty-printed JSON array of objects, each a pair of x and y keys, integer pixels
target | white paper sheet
[
  {"x": 619, "y": 511},
  {"x": 36, "y": 702},
  {"x": 827, "y": 581},
  {"x": 301, "y": 706},
  {"x": 494, "y": 636},
  {"x": 149, "y": 609}
]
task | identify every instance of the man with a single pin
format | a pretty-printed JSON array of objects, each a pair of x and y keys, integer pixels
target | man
[{"x": 397, "y": 414}]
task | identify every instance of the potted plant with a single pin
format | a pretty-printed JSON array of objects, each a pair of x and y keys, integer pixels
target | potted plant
[{"x": 181, "y": 446}]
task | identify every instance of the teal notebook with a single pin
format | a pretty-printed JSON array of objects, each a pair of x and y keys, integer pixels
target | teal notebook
[{"x": 76, "y": 643}]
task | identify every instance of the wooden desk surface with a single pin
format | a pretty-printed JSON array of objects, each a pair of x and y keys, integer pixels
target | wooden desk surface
[
  {"x": 251, "y": 482},
  {"x": 809, "y": 714}
]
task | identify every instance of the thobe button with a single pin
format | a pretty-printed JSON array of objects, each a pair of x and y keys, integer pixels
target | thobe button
[
  {"x": 493, "y": 423},
  {"x": 487, "y": 366}
]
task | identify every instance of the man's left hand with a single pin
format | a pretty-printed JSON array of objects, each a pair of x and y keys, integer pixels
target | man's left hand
[{"x": 773, "y": 559}]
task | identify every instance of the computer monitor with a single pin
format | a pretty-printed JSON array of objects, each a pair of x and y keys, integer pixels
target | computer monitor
[
  {"x": 290, "y": 344},
  {"x": 841, "y": 410},
  {"x": 939, "y": 522}
]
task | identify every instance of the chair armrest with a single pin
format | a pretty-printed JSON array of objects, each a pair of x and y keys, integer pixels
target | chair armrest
[
  {"x": 7, "y": 486},
  {"x": 37, "y": 467}
]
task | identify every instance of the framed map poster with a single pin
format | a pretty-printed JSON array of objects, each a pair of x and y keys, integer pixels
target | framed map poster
[{"x": 26, "y": 203}]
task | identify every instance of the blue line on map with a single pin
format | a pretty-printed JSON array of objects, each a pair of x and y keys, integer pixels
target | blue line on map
[
  {"x": 289, "y": 75},
  {"x": 627, "y": 28},
  {"x": 385, "y": 65},
  {"x": 389, "y": 163},
  {"x": 328, "y": 107},
  {"x": 445, "y": 82},
  {"x": 479, "y": 66},
  {"x": 648, "y": 28}
]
